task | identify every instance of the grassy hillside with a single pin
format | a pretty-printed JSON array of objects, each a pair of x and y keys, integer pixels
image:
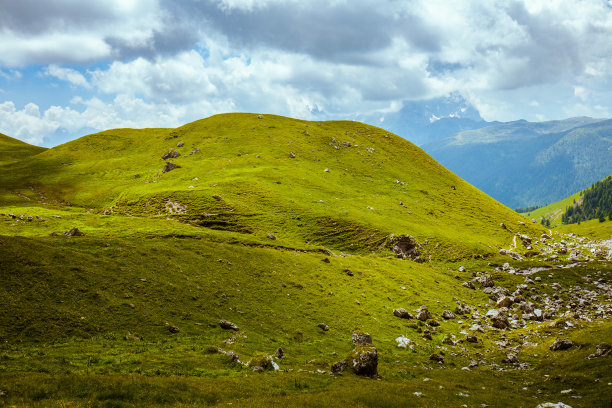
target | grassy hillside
[
  {"x": 252, "y": 229},
  {"x": 13, "y": 150}
]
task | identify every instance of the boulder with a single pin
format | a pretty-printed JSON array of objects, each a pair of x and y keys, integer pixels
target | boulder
[
  {"x": 498, "y": 319},
  {"x": 74, "y": 233},
  {"x": 279, "y": 353},
  {"x": 468, "y": 285},
  {"x": 323, "y": 326},
  {"x": 292, "y": 155},
  {"x": 180, "y": 144},
  {"x": 424, "y": 314},
  {"x": 462, "y": 309},
  {"x": 405, "y": 246},
  {"x": 471, "y": 338},
  {"x": 511, "y": 358},
  {"x": 462, "y": 269},
  {"x": 502, "y": 225},
  {"x": 561, "y": 344},
  {"x": 525, "y": 239},
  {"x": 228, "y": 325},
  {"x": 402, "y": 341},
  {"x": 402, "y": 313},
  {"x": 271, "y": 236},
  {"x": 169, "y": 167},
  {"x": 486, "y": 281},
  {"x": 262, "y": 363},
  {"x": 447, "y": 315},
  {"x": 171, "y": 154},
  {"x": 437, "y": 358},
  {"x": 193, "y": 151},
  {"x": 361, "y": 338},
  {"x": 364, "y": 360},
  {"x": 173, "y": 329},
  {"x": 504, "y": 301}
]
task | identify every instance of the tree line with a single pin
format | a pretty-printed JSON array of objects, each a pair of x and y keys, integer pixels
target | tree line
[{"x": 596, "y": 203}]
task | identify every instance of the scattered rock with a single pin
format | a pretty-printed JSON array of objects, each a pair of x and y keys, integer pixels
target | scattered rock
[
  {"x": 349, "y": 272},
  {"x": 601, "y": 350},
  {"x": 405, "y": 246},
  {"x": 424, "y": 314},
  {"x": 498, "y": 319},
  {"x": 292, "y": 155},
  {"x": 262, "y": 363},
  {"x": 403, "y": 341},
  {"x": 462, "y": 269},
  {"x": 427, "y": 335},
  {"x": 271, "y": 236},
  {"x": 448, "y": 340},
  {"x": 437, "y": 357},
  {"x": 338, "y": 367},
  {"x": 468, "y": 285},
  {"x": 173, "y": 329},
  {"x": 216, "y": 197},
  {"x": 486, "y": 281},
  {"x": 503, "y": 226},
  {"x": 471, "y": 338},
  {"x": 364, "y": 360},
  {"x": 402, "y": 313},
  {"x": 561, "y": 344},
  {"x": 553, "y": 405},
  {"x": 361, "y": 338},
  {"x": 259, "y": 116},
  {"x": 180, "y": 144},
  {"x": 193, "y": 151},
  {"x": 171, "y": 154},
  {"x": 169, "y": 167},
  {"x": 511, "y": 358},
  {"x": 228, "y": 325},
  {"x": 447, "y": 315},
  {"x": 504, "y": 301},
  {"x": 323, "y": 327},
  {"x": 279, "y": 353},
  {"x": 74, "y": 233},
  {"x": 462, "y": 310}
]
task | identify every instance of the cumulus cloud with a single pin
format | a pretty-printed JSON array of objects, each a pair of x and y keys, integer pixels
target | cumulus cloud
[{"x": 184, "y": 59}]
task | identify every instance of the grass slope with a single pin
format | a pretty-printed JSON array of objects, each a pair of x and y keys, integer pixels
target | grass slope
[
  {"x": 12, "y": 150},
  {"x": 85, "y": 320}
]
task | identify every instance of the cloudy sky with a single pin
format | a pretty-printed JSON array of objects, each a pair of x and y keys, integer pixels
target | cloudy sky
[{"x": 72, "y": 67}]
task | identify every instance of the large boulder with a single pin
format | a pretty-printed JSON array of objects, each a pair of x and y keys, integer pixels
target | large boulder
[
  {"x": 360, "y": 337},
  {"x": 498, "y": 319},
  {"x": 364, "y": 360},
  {"x": 405, "y": 246}
]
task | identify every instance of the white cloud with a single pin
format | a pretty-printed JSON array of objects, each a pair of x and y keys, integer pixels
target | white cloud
[
  {"x": 66, "y": 74},
  {"x": 26, "y": 124}
]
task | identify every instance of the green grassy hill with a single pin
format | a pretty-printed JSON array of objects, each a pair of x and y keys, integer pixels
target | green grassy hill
[
  {"x": 254, "y": 230},
  {"x": 13, "y": 150}
]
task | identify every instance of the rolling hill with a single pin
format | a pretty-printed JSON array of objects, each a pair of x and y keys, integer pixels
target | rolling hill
[
  {"x": 532, "y": 163},
  {"x": 302, "y": 235}
]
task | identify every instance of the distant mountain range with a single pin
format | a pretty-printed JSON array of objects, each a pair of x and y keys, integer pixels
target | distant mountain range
[{"x": 518, "y": 163}]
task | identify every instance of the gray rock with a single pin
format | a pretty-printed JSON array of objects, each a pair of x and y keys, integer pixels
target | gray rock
[
  {"x": 173, "y": 329},
  {"x": 323, "y": 326},
  {"x": 424, "y": 314},
  {"x": 271, "y": 236},
  {"x": 503, "y": 226},
  {"x": 338, "y": 367},
  {"x": 402, "y": 313},
  {"x": 504, "y": 301},
  {"x": 74, "y": 233},
  {"x": 512, "y": 358},
  {"x": 447, "y": 315},
  {"x": 468, "y": 285},
  {"x": 169, "y": 167},
  {"x": 228, "y": 325},
  {"x": 471, "y": 338},
  {"x": 498, "y": 319},
  {"x": 171, "y": 154},
  {"x": 364, "y": 360},
  {"x": 405, "y": 246},
  {"x": 561, "y": 344},
  {"x": 279, "y": 353},
  {"x": 193, "y": 151},
  {"x": 462, "y": 269},
  {"x": 427, "y": 335},
  {"x": 180, "y": 144},
  {"x": 462, "y": 310},
  {"x": 486, "y": 281},
  {"x": 292, "y": 155},
  {"x": 437, "y": 358},
  {"x": 361, "y": 338}
]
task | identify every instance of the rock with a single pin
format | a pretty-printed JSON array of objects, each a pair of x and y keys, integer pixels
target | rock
[
  {"x": 361, "y": 338},
  {"x": 468, "y": 285},
  {"x": 545, "y": 236},
  {"x": 424, "y": 314},
  {"x": 338, "y": 367},
  {"x": 171, "y": 154},
  {"x": 228, "y": 325},
  {"x": 498, "y": 319},
  {"x": 279, "y": 353},
  {"x": 364, "y": 360},
  {"x": 405, "y": 246},
  {"x": 471, "y": 338},
  {"x": 292, "y": 155},
  {"x": 526, "y": 240},
  {"x": 486, "y": 281},
  {"x": 74, "y": 233},
  {"x": 503, "y": 226},
  {"x": 511, "y": 358},
  {"x": 53, "y": 234},
  {"x": 601, "y": 350},
  {"x": 448, "y": 340},
  {"x": 553, "y": 405},
  {"x": 463, "y": 309},
  {"x": 169, "y": 167},
  {"x": 259, "y": 116},
  {"x": 462, "y": 269},
  {"x": 216, "y": 197},
  {"x": 437, "y": 357},
  {"x": 326, "y": 260},
  {"x": 173, "y": 329},
  {"x": 447, "y": 315},
  {"x": 561, "y": 344},
  {"x": 323, "y": 326},
  {"x": 271, "y": 236},
  {"x": 402, "y": 341},
  {"x": 326, "y": 170},
  {"x": 504, "y": 301},
  {"x": 262, "y": 363},
  {"x": 180, "y": 144},
  {"x": 349, "y": 272},
  {"x": 193, "y": 151},
  {"x": 402, "y": 313}
]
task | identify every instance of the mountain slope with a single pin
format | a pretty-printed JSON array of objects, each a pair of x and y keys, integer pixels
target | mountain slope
[
  {"x": 349, "y": 186},
  {"x": 12, "y": 150},
  {"x": 523, "y": 164}
]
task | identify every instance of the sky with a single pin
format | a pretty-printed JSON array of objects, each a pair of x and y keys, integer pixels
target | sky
[{"x": 73, "y": 67}]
